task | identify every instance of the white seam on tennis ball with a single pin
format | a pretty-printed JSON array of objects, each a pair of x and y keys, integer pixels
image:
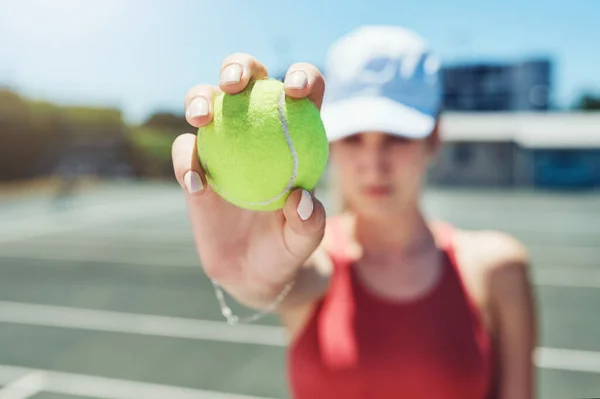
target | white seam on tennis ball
[{"x": 290, "y": 143}]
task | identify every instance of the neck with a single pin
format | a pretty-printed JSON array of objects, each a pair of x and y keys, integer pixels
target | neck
[
  {"x": 405, "y": 234},
  {"x": 398, "y": 255}
]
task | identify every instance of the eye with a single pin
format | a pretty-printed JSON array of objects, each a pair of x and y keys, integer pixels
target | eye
[
  {"x": 352, "y": 140},
  {"x": 393, "y": 139}
]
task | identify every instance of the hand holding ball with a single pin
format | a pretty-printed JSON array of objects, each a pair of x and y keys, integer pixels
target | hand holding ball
[{"x": 261, "y": 145}]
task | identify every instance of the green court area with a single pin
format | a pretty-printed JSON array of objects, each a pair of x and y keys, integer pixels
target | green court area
[{"x": 102, "y": 296}]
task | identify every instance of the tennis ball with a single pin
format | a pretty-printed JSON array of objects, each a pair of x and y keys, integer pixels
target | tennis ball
[{"x": 261, "y": 145}]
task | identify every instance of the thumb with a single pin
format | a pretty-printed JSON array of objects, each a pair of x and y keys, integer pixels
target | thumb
[
  {"x": 304, "y": 223},
  {"x": 186, "y": 165}
]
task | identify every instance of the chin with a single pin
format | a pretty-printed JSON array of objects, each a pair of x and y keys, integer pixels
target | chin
[{"x": 379, "y": 207}]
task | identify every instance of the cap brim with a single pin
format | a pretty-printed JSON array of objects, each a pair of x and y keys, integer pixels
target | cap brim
[{"x": 362, "y": 114}]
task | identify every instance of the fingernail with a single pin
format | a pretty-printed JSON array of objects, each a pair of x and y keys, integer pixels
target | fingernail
[
  {"x": 231, "y": 74},
  {"x": 306, "y": 206},
  {"x": 192, "y": 181},
  {"x": 197, "y": 108},
  {"x": 297, "y": 80}
]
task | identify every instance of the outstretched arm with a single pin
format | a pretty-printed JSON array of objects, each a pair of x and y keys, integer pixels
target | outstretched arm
[{"x": 252, "y": 255}]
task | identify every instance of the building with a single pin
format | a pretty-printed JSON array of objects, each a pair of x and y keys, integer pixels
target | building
[
  {"x": 478, "y": 151},
  {"x": 541, "y": 150},
  {"x": 477, "y": 87},
  {"x": 563, "y": 150}
]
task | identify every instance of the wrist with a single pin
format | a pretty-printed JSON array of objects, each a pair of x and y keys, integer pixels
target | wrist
[{"x": 262, "y": 301}]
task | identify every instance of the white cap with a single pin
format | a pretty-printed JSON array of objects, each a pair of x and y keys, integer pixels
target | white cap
[{"x": 381, "y": 78}]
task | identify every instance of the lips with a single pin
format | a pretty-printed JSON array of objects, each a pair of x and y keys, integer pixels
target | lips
[{"x": 378, "y": 190}]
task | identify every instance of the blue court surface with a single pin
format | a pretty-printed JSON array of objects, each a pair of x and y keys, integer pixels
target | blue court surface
[{"x": 102, "y": 296}]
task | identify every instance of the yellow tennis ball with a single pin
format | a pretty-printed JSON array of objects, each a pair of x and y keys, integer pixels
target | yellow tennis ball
[{"x": 261, "y": 145}]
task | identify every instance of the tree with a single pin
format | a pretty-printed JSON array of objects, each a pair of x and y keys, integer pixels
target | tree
[
  {"x": 168, "y": 122},
  {"x": 588, "y": 102}
]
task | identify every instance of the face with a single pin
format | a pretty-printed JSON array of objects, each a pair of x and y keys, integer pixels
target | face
[{"x": 380, "y": 174}]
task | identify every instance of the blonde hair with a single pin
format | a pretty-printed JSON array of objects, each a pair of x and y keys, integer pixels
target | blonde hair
[{"x": 338, "y": 204}]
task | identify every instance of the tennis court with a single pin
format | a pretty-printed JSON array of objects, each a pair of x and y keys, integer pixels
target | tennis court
[{"x": 103, "y": 296}]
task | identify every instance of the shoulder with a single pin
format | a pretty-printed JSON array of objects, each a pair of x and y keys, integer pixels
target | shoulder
[
  {"x": 498, "y": 254},
  {"x": 501, "y": 261},
  {"x": 497, "y": 250},
  {"x": 334, "y": 245},
  {"x": 486, "y": 253},
  {"x": 338, "y": 241},
  {"x": 495, "y": 268}
]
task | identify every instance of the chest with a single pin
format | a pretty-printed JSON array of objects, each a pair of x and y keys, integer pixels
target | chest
[{"x": 359, "y": 348}]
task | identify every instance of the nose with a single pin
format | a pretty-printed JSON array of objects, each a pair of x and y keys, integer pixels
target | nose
[{"x": 374, "y": 164}]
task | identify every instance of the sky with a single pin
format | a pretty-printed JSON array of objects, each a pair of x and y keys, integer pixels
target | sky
[{"x": 143, "y": 55}]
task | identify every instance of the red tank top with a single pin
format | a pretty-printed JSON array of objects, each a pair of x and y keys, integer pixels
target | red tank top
[{"x": 357, "y": 345}]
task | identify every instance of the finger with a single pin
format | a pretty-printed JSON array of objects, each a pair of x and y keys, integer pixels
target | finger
[
  {"x": 305, "y": 223},
  {"x": 199, "y": 104},
  {"x": 186, "y": 165},
  {"x": 207, "y": 211},
  {"x": 305, "y": 80},
  {"x": 236, "y": 71}
]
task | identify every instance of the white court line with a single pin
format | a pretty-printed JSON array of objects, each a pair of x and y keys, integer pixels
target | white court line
[
  {"x": 110, "y": 388},
  {"x": 134, "y": 323},
  {"x": 568, "y": 359},
  {"x": 105, "y": 258},
  {"x": 92, "y": 216},
  {"x": 567, "y": 278},
  {"x": 25, "y": 387},
  {"x": 174, "y": 327}
]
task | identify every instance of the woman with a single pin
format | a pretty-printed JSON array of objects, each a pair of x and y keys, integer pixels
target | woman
[{"x": 378, "y": 301}]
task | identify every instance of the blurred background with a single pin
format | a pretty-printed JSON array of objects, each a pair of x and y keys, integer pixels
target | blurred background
[{"x": 101, "y": 293}]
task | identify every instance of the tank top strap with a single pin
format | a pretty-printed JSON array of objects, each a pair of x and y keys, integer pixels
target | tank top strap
[
  {"x": 336, "y": 331},
  {"x": 445, "y": 233},
  {"x": 447, "y": 238},
  {"x": 337, "y": 239}
]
